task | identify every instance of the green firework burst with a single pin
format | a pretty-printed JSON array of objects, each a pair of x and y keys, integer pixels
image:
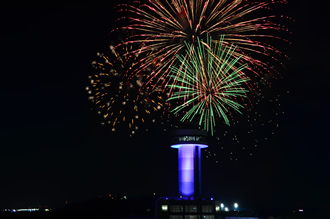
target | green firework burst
[{"x": 209, "y": 84}]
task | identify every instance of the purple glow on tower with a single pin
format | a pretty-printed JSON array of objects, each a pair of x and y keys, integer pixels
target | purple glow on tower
[{"x": 189, "y": 168}]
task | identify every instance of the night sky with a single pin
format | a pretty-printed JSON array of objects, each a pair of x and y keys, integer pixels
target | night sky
[{"x": 53, "y": 149}]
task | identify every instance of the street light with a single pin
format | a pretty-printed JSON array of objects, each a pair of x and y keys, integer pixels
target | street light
[{"x": 235, "y": 206}]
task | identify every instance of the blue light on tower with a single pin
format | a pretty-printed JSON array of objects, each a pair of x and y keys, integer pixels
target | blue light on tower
[{"x": 189, "y": 143}]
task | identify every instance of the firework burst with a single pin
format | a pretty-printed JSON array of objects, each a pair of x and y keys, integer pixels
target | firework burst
[
  {"x": 208, "y": 84},
  {"x": 163, "y": 26},
  {"x": 118, "y": 102}
]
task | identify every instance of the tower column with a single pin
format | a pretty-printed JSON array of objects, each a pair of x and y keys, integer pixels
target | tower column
[{"x": 189, "y": 143}]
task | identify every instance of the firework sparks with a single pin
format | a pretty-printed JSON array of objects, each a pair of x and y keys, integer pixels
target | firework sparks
[
  {"x": 257, "y": 126},
  {"x": 208, "y": 84}
]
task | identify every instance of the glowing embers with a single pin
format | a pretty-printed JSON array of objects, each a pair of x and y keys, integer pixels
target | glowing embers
[{"x": 189, "y": 168}]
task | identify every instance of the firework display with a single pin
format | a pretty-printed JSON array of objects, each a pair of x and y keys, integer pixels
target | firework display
[
  {"x": 205, "y": 62},
  {"x": 207, "y": 84},
  {"x": 120, "y": 103},
  {"x": 163, "y": 26}
]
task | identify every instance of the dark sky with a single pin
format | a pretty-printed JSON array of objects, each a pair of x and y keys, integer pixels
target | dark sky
[{"x": 54, "y": 150}]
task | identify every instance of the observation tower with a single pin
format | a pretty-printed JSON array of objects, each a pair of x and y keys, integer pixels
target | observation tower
[{"x": 189, "y": 143}]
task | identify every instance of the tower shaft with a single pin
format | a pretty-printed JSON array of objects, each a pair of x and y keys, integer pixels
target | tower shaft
[{"x": 189, "y": 144}]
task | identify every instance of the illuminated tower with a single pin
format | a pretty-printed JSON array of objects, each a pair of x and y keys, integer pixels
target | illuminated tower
[{"x": 189, "y": 143}]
